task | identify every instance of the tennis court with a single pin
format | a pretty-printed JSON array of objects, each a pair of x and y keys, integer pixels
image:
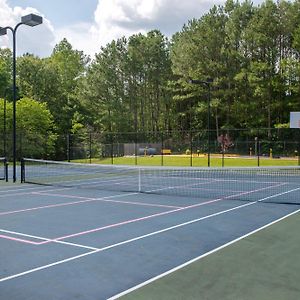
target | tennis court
[{"x": 76, "y": 231}]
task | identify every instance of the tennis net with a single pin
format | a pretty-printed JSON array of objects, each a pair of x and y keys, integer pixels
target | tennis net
[
  {"x": 3, "y": 169},
  {"x": 267, "y": 184}
]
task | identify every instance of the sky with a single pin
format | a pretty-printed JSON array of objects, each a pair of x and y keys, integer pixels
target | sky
[{"x": 90, "y": 24}]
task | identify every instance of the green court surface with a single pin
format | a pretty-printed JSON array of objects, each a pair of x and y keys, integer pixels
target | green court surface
[{"x": 262, "y": 266}]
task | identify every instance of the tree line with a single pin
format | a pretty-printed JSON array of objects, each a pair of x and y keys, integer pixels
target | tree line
[{"x": 141, "y": 83}]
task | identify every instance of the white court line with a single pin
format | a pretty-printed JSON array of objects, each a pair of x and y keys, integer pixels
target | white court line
[
  {"x": 126, "y": 222},
  {"x": 243, "y": 192},
  {"x": 46, "y": 239},
  {"x": 199, "y": 257},
  {"x": 107, "y": 199},
  {"x": 84, "y": 200},
  {"x": 27, "y": 187},
  {"x": 21, "y": 192},
  {"x": 139, "y": 238}
]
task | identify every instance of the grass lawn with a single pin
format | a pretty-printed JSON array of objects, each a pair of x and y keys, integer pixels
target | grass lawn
[{"x": 201, "y": 161}]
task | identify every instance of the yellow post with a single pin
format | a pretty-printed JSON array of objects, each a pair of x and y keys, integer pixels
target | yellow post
[{"x": 271, "y": 153}]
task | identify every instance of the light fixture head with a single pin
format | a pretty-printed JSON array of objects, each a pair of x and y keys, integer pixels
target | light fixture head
[
  {"x": 32, "y": 20},
  {"x": 3, "y": 31}
]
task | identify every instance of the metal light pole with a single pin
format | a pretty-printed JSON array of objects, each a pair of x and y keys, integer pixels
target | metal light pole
[
  {"x": 29, "y": 20},
  {"x": 4, "y": 127},
  {"x": 207, "y": 83},
  {"x": 4, "y": 123}
]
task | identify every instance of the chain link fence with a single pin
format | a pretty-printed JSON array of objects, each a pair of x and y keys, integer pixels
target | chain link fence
[{"x": 254, "y": 147}]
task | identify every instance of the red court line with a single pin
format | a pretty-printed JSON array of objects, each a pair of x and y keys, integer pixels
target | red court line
[
  {"x": 23, "y": 191},
  {"x": 113, "y": 225},
  {"x": 46, "y": 206},
  {"x": 140, "y": 219},
  {"x": 18, "y": 240},
  {"x": 126, "y": 222},
  {"x": 104, "y": 199},
  {"x": 150, "y": 216},
  {"x": 138, "y": 238}
]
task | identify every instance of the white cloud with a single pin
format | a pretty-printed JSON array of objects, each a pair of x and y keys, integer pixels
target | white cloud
[
  {"x": 112, "y": 19},
  {"x": 80, "y": 37},
  {"x": 115, "y": 18},
  {"x": 37, "y": 40}
]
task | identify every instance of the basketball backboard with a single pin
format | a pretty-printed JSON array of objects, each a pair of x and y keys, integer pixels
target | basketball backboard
[{"x": 294, "y": 119}]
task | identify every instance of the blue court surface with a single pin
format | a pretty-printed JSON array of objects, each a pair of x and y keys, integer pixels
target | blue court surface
[{"x": 63, "y": 242}]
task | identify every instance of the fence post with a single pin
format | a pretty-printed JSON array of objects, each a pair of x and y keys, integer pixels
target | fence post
[
  {"x": 256, "y": 149},
  {"x": 22, "y": 170},
  {"x": 112, "y": 148},
  {"x": 162, "y": 148},
  {"x": 90, "y": 147},
  {"x": 258, "y": 153},
  {"x": 223, "y": 156},
  {"x": 136, "y": 149},
  {"x": 45, "y": 154},
  {"x": 191, "y": 149},
  {"x": 6, "y": 170},
  {"x": 21, "y": 145},
  {"x": 68, "y": 148},
  {"x": 298, "y": 153}
]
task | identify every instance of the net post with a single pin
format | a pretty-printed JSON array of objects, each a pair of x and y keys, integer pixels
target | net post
[{"x": 22, "y": 170}]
